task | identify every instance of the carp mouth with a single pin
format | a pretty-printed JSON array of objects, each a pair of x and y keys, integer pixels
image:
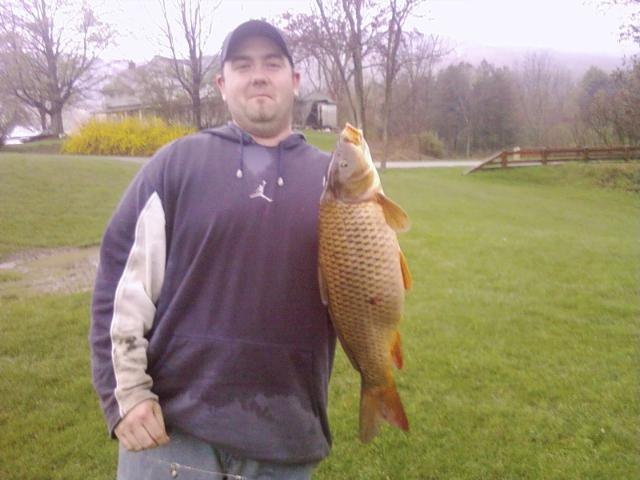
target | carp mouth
[{"x": 351, "y": 134}]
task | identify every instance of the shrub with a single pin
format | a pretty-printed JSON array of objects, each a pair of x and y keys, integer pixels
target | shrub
[
  {"x": 430, "y": 144},
  {"x": 129, "y": 137}
]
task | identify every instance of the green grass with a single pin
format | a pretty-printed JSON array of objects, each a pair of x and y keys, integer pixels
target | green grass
[
  {"x": 51, "y": 428},
  {"x": 520, "y": 336},
  {"x": 323, "y": 140},
  {"x": 49, "y": 201}
]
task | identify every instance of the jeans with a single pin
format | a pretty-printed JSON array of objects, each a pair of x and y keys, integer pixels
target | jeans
[{"x": 188, "y": 458}]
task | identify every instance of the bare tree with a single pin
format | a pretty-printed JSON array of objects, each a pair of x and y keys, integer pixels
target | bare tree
[
  {"x": 419, "y": 55},
  {"x": 363, "y": 27},
  {"x": 398, "y": 12},
  {"x": 543, "y": 94},
  {"x": 47, "y": 62},
  {"x": 12, "y": 113},
  {"x": 322, "y": 51},
  {"x": 196, "y": 29}
]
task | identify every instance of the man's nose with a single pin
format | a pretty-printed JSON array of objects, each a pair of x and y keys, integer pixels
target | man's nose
[{"x": 259, "y": 78}]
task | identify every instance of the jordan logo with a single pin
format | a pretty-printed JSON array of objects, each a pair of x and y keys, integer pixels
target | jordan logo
[{"x": 259, "y": 193}]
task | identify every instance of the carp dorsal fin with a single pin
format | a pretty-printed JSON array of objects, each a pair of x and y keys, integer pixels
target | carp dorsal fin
[
  {"x": 395, "y": 216},
  {"x": 406, "y": 274}
]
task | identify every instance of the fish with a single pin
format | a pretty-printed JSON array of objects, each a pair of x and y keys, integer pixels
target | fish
[{"x": 363, "y": 275}]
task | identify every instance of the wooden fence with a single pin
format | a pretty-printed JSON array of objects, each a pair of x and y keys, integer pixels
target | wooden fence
[{"x": 544, "y": 156}]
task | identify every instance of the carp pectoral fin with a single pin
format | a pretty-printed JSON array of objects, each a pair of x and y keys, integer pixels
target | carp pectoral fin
[
  {"x": 324, "y": 294},
  {"x": 377, "y": 404},
  {"x": 406, "y": 274},
  {"x": 395, "y": 216},
  {"x": 396, "y": 350}
]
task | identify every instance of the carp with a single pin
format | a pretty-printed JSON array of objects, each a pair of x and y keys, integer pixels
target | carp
[{"x": 363, "y": 276}]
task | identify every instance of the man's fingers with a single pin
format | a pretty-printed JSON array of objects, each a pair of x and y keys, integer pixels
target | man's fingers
[
  {"x": 130, "y": 441},
  {"x": 143, "y": 438},
  {"x": 160, "y": 432},
  {"x": 142, "y": 427}
]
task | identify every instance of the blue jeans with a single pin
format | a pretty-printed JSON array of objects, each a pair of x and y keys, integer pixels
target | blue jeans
[{"x": 188, "y": 458}]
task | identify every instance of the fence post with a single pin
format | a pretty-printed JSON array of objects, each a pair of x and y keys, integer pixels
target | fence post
[
  {"x": 627, "y": 153},
  {"x": 503, "y": 159},
  {"x": 585, "y": 154},
  {"x": 544, "y": 155}
]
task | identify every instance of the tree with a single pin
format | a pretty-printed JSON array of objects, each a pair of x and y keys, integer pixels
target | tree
[
  {"x": 12, "y": 113},
  {"x": 48, "y": 62},
  {"x": 196, "y": 30},
  {"x": 595, "y": 104},
  {"x": 493, "y": 106},
  {"x": 627, "y": 103},
  {"x": 392, "y": 39},
  {"x": 363, "y": 21},
  {"x": 413, "y": 93},
  {"x": 323, "y": 52},
  {"x": 452, "y": 106},
  {"x": 543, "y": 90}
]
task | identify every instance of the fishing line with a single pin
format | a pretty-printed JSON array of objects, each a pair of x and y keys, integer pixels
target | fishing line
[{"x": 175, "y": 467}]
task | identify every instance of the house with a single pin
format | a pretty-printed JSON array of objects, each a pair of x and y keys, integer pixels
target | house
[{"x": 151, "y": 89}]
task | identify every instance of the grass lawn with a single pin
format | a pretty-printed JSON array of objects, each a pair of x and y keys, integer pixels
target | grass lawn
[{"x": 520, "y": 335}]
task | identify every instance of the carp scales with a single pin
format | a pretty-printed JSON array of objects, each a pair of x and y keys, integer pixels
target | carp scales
[{"x": 363, "y": 276}]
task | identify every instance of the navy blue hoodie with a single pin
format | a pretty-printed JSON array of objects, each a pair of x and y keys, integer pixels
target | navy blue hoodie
[{"x": 206, "y": 297}]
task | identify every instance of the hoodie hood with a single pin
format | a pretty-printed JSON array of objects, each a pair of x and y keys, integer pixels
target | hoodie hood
[{"x": 234, "y": 133}]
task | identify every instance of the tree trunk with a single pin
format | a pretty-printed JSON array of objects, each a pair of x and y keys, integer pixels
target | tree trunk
[
  {"x": 43, "y": 119},
  {"x": 57, "y": 128},
  {"x": 197, "y": 108},
  {"x": 386, "y": 113}
]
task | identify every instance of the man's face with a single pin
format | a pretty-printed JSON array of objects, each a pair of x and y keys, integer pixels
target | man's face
[{"x": 259, "y": 86}]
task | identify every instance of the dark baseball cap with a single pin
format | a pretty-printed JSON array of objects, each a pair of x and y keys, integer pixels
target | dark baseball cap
[{"x": 253, "y": 28}]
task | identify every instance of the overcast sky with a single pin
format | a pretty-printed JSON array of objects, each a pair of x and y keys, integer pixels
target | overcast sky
[{"x": 564, "y": 25}]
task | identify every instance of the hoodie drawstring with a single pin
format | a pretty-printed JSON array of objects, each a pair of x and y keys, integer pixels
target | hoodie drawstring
[
  {"x": 279, "y": 166},
  {"x": 240, "y": 171}
]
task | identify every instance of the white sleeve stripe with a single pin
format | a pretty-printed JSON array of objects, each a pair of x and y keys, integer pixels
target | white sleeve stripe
[{"x": 134, "y": 304}]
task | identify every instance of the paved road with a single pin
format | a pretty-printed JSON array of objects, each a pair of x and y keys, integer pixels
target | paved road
[
  {"x": 391, "y": 164},
  {"x": 433, "y": 164},
  {"x": 403, "y": 164}
]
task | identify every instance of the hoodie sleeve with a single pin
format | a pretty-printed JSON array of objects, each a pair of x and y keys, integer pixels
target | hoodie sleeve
[{"x": 128, "y": 282}]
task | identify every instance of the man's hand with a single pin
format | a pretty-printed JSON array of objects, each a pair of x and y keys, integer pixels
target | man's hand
[{"x": 142, "y": 427}]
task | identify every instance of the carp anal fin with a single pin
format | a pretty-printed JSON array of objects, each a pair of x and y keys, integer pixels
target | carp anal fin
[
  {"x": 396, "y": 350},
  {"x": 324, "y": 294},
  {"x": 395, "y": 216},
  {"x": 406, "y": 274}
]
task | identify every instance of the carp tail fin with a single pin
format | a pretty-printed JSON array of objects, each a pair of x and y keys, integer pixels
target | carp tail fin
[{"x": 378, "y": 404}]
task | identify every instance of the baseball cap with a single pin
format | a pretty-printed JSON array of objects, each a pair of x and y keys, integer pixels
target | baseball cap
[{"x": 253, "y": 28}]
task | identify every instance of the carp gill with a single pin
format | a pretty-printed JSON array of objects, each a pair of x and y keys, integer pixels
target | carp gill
[{"x": 363, "y": 275}]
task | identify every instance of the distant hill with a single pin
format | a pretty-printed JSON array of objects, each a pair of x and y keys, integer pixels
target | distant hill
[{"x": 576, "y": 63}]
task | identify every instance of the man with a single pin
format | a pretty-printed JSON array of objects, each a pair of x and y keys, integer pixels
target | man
[{"x": 206, "y": 313}]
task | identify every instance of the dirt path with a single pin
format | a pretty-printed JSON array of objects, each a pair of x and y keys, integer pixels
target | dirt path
[{"x": 48, "y": 270}]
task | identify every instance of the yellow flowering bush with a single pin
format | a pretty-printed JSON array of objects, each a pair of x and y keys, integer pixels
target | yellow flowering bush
[{"x": 129, "y": 137}]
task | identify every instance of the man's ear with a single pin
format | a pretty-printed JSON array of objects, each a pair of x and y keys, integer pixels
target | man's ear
[{"x": 221, "y": 86}]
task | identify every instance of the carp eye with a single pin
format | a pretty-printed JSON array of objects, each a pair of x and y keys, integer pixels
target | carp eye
[{"x": 344, "y": 164}]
